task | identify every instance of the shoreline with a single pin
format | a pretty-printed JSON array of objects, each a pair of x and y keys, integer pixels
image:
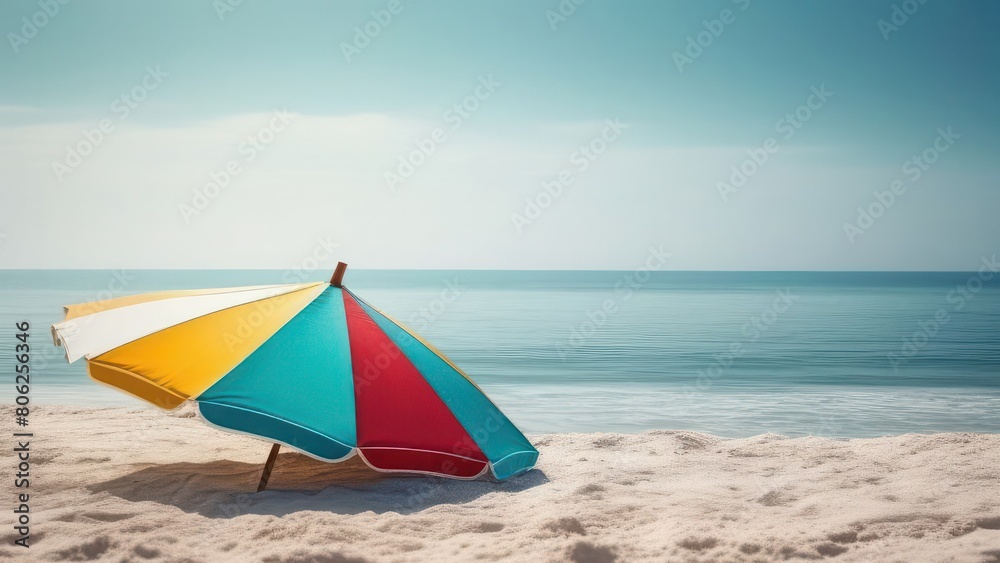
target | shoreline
[
  {"x": 840, "y": 412},
  {"x": 139, "y": 484}
]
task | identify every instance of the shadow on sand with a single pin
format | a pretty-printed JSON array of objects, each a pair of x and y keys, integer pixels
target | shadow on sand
[{"x": 225, "y": 489}]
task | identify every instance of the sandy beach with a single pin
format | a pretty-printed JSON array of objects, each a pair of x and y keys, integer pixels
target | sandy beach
[{"x": 135, "y": 484}]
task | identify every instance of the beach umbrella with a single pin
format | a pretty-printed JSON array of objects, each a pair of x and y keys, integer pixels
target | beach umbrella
[{"x": 311, "y": 366}]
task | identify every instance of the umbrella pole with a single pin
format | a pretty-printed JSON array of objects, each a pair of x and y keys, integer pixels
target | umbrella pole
[
  {"x": 336, "y": 280},
  {"x": 268, "y": 466},
  {"x": 338, "y": 275}
]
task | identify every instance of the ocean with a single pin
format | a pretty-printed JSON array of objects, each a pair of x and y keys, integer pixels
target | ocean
[{"x": 838, "y": 354}]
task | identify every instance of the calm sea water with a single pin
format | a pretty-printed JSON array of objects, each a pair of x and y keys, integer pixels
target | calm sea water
[{"x": 729, "y": 353}]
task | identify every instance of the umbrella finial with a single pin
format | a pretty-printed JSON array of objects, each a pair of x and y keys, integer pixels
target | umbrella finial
[{"x": 338, "y": 275}]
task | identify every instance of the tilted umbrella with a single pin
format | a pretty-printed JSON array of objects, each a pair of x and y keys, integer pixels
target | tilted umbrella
[{"x": 311, "y": 366}]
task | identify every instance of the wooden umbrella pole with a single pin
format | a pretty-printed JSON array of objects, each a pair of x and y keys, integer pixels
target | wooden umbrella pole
[
  {"x": 338, "y": 275},
  {"x": 335, "y": 281},
  {"x": 268, "y": 466}
]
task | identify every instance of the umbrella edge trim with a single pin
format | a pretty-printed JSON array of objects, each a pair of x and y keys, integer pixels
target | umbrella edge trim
[{"x": 207, "y": 422}]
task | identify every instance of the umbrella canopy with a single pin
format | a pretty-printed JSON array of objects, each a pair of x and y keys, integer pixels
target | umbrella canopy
[{"x": 311, "y": 366}]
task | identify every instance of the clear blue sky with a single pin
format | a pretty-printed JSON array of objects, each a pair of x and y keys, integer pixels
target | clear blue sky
[{"x": 657, "y": 184}]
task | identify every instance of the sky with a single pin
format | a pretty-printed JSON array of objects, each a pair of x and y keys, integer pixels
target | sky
[{"x": 730, "y": 134}]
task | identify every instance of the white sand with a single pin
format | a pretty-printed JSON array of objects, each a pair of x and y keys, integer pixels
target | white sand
[{"x": 132, "y": 484}]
